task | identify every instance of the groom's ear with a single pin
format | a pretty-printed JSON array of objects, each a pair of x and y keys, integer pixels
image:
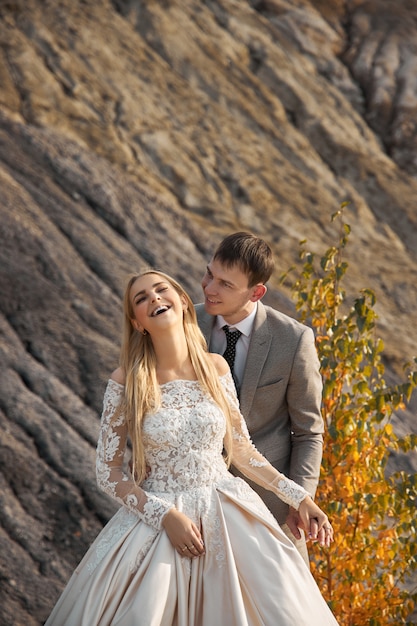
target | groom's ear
[{"x": 258, "y": 292}]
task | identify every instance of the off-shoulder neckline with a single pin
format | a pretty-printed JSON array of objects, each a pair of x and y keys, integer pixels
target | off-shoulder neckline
[{"x": 169, "y": 382}]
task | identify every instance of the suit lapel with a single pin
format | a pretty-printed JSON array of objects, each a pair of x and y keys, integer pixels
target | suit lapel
[
  {"x": 258, "y": 351},
  {"x": 206, "y": 323}
]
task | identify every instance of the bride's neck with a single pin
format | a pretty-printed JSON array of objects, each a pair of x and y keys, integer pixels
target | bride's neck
[{"x": 173, "y": 362}]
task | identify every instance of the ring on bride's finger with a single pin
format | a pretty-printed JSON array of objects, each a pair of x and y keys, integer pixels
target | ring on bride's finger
[{"x": 184, "y": 548}]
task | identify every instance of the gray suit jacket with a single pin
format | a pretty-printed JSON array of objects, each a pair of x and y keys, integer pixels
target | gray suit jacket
[{"x": 280, "y": 398}]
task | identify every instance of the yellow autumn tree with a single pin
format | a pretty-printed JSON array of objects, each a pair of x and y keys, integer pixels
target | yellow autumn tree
[{"x": 366, "y": 576}]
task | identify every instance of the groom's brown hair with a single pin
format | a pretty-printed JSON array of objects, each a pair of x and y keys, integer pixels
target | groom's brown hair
[{"x": 250, "y": 253}]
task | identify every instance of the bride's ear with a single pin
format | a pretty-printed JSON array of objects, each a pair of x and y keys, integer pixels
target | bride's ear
[{"x": 136, "y": 325}]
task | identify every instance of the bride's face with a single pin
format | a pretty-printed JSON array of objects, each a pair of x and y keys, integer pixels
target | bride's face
[{"x": 156, "y": 304}]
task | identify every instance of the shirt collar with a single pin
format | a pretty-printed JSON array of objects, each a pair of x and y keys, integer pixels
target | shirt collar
[{"x": 245, "y": 325}]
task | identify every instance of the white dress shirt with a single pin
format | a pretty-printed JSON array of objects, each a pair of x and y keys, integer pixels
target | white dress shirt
[{"x": 218, "y": 341}]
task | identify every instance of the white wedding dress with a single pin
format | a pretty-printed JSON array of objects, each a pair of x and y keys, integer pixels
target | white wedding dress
[{"x": 251, "y": 574}]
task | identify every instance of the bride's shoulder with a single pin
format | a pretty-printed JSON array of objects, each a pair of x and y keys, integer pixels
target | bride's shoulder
[
  {"x": 219, "y": 363},
  {"x": 118, "y": 375}
]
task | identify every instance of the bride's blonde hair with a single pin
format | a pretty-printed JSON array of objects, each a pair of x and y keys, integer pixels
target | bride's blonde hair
[{"x": 138, "y": 360}]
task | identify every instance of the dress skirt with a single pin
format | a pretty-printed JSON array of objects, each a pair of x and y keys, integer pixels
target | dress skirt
[{"x": 251, "y": 574}]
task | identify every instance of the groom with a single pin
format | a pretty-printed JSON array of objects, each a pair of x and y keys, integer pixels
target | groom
[{"x": 274, "y": 364}]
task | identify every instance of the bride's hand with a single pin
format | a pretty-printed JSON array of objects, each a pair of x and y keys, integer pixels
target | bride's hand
[
  {"x": 315, "y": 522},
  {"x": 183, "y": 534}
]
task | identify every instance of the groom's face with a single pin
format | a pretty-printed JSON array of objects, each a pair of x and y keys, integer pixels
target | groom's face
[{"x": 226, "y": 292}]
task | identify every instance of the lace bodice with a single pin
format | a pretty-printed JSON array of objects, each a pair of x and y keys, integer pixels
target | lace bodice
[{"x": 183, "y": 442}]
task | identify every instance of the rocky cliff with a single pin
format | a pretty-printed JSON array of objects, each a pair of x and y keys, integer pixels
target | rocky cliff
[{"x": 140, "y": 132}]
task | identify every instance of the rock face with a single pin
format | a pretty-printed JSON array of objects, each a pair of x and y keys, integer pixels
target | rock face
[{"x": 139, "y": 133}]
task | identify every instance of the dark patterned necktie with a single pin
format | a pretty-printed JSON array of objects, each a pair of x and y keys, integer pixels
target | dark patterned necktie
[{"x": 229, "y": 354}]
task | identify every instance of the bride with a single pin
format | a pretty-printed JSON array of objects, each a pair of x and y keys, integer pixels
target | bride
[{"x": 191, "y": 544}]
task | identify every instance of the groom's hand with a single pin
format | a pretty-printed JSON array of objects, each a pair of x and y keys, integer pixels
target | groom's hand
[{"x": 294, "y": 522}]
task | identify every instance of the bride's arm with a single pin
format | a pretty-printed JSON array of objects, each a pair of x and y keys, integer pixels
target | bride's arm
[
  {"x": 110, "y": 473},
  {"x": 252, "y": 464},
  {"x": 113, "y": 480}
]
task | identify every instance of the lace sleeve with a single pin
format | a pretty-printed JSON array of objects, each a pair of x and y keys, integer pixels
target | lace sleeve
[
  {"x": 251, "y": 463},
  {"x": 110, "y": 473}
]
